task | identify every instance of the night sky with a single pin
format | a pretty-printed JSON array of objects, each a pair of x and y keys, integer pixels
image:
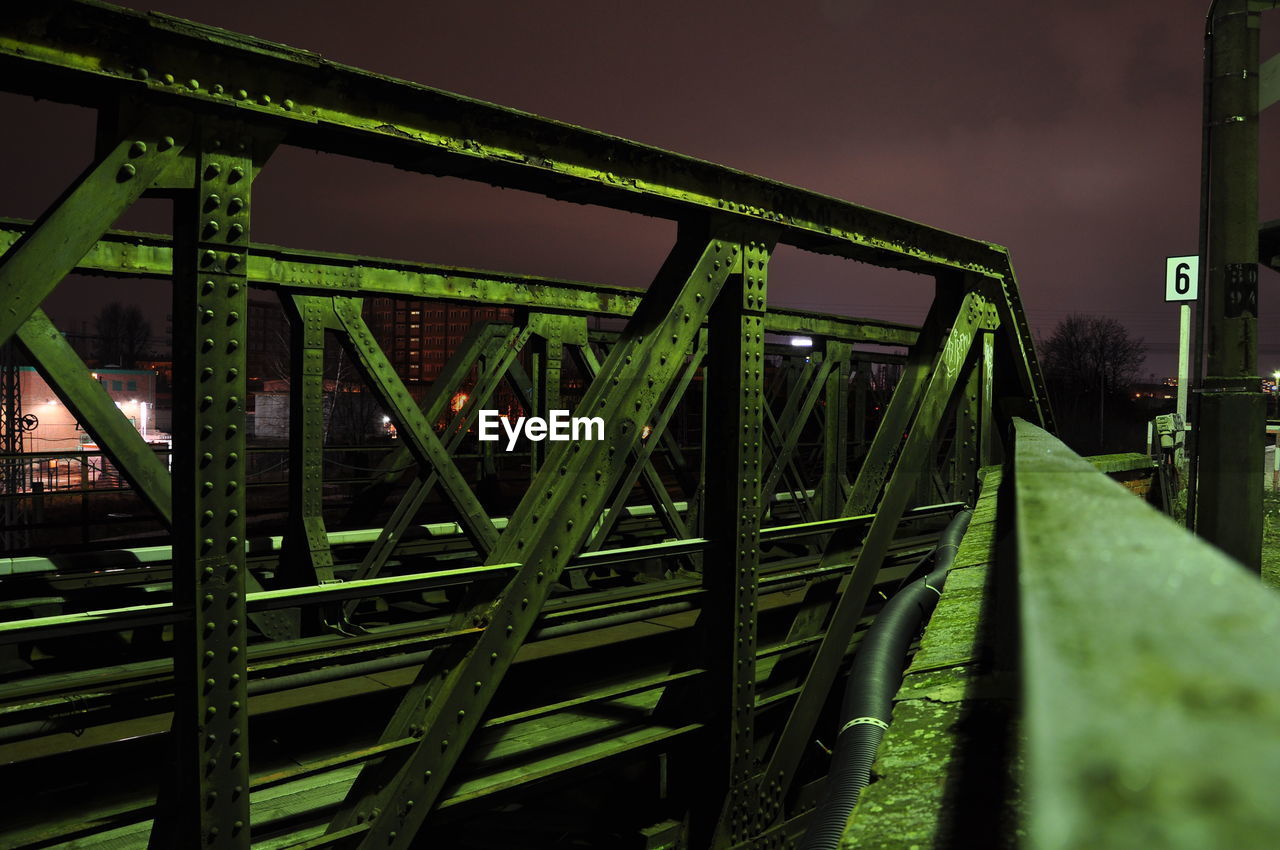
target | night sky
[{"x": 1068, "y": 132}]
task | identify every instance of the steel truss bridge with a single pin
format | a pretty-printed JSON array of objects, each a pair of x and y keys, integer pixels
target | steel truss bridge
[{"x": 662, "y": 615}]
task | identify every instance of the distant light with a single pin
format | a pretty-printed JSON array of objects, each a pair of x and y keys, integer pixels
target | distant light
[
  {"x": 133, "y": 401},
  {"x": 458, "y": 402},
  {"x": 386, "y": 420},
  {"x": 645, "y": 432},
  {"x": 802, "y": 341}
]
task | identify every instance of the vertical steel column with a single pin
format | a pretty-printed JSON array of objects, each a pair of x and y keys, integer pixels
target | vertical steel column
[
  {"x": 548, "y": 350},
  {"x": 988, "y": 443},
  {"x": 928, "y": 406},
  {"x": 735, "y": 340},
  {"x": 1232, "y": 407},
  {"x": 310, "y": 560},
  {"x": 391, "y": 797},
  {"x": 861, "y": 387},
  {"x": 209, "y": 806},
  {"x": 835, "y": 430},
  {"x": 965, "y": 448}
]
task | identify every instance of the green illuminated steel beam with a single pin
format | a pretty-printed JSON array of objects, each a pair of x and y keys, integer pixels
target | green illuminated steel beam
[
  {"x": 794, "y": 413},
  {"x": 786, "y": 432},
  {"x": 412, "y": 426},
  {"x": 477, "y": 340},
  {"x": 872, "y": 474},
  {"x": 643, "y": 460},
  {"x": 734, "y": 470},
  {"x": 502, "y": 352},
  {"x": 834, "y": 487},
  {"x": 206, "y": 804},
  {"x": 642, "y": 465},
  {"x": 549, "y": 527},
  {"x": 970, "y": 419},
  {"x": 76, "y": 51},
  {"x": 51, "y": 248},
  {"x": 551, "y": 334},
  {"x": 1031, "y": 397},
  {"x": 309, "y": 559},
  {"x": 974, "y": 315},
  {"x": 148, "y": 255}
]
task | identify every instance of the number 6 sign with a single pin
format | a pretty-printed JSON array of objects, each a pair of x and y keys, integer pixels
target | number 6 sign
[{"x": 1181, "y": 278}]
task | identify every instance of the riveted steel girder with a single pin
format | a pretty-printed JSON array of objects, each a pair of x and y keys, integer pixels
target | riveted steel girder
[
  {"x": 835, "y": 429},
  {"x": 975, "y": 314},
  {"x": 641, "y": 464},
  {"x": 643, "y": 460},
  {"x": 734, "y": 476},
  {"x": 551, "y": 524},
  {"x": 310, "y": 560},
  {"x": 208, "y": 803},
  {"x": 204, "y": 108},
  {"x": 78, "y": 50},
  {"x": 413, "y": 426},
  {"x": 502, "y": 351},
  {"x": 43, "y": 256},
  {"x": 146, "y": 255}
]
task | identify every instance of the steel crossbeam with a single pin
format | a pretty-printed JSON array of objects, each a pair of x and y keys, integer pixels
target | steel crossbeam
[
  {"x": 46, "y": 253},
  {"x": 311, "y": 560},
  {"x": 835, "y": 430},
  {"x": 975, "y": 314},
  {"x": 475, "y": 343},
  {"x": 150, "y": 256},
  {"x": 552, "y": 522},
  {"x": 507, "y": 347},
  {"x": 643, "y": 462},
  {"x": 641, "y": 466},
  {"x": 418, "y": 432}
]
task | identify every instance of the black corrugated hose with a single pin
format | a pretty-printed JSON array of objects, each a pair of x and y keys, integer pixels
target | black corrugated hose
[{"x": 874, "y": 678}]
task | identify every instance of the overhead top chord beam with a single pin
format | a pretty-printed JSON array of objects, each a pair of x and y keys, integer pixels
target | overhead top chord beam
[
  {"x": 83, "y": 51},
  {"x": 150, "y": 255}
]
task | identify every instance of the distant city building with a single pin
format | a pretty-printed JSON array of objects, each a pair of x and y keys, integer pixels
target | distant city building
[
  {"x": 133, "y": 391},
  {"x": 418, "y": 338}
]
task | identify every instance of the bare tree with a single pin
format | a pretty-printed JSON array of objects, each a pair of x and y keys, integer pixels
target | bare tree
[
  {"x": 122, "y": 335},
  {"x": 1090, "y": 354}
]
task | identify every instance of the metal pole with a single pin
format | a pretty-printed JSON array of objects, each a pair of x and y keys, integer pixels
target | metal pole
[
  {"x": 1197, "y": 362},
  {"x": 1232, "y": 406},
  {"x": 1184, "y": 340}
]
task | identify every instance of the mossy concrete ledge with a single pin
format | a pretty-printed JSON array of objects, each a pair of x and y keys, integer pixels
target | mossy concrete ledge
[
  {"x": 1151, "y": 678},
  {"x": 1094, "y": 676}
]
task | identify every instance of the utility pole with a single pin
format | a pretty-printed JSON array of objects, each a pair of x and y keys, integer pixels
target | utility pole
[{"x": 1232, "y": 418}]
